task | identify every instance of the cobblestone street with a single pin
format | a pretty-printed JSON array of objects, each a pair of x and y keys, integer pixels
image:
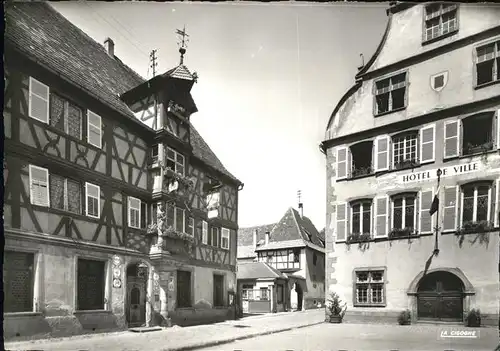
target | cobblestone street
[{"x": 179, "y": 338}]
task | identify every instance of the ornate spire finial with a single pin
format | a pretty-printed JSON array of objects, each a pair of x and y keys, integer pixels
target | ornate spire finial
[{"x": 183, "y": 40}]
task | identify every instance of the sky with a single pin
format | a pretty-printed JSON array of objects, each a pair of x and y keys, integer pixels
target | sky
[{"x": 270, "y": 75}]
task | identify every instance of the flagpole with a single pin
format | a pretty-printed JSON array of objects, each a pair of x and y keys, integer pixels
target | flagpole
[{"x": 436, "y": 228}]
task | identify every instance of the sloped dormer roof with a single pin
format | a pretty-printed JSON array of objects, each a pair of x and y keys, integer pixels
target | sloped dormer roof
[{"x": 42, "y": 34}]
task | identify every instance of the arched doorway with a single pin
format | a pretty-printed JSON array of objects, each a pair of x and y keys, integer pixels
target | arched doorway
[
  {"x": 440, "y": 296},
  {"x": 137, "y": 279},
  {"x": 296, "y": 297}
]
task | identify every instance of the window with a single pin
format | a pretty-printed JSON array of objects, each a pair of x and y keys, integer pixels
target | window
[
  {"x": 39, "y": 186},
  {"x": 91, "y": 281},
  {"x": 204, "y": 232},
  {"x": 264, "y": 294},
  {"x": 488, "y": 63},
  {"x": 215, "y": 237},
  {"x": 175, "y": 161},
  {"x": 94, "y": 132},
  {"x": 154, "y": 213},
  {"x": 477, "y": 134},
  {"x": 361, "y": 154},
  {"x": 224, "y": 243},
  {"x": 18, "y": 278},
  {"x": 218, "y": 290},
  {"x": 476, "y": 202},
  {"x": 134, "y": 212},
  {"x": 247, "y": 291},
  {"x": 281, "y": 259},
  {"x": 154, "y": 154},
  {"x": 179, "y": 220},
  {"x": 390, "y": 93},
  {"x": 404, "y": 150},
  {"x": 403, "y": 211},
  {"x": 65, "y": 116},
  {"x": 361, "y": 217},
  {"x": 440, "y": 19},
  {"x": 315, "y": 258},
  {"x": 93, "y": 200},
  {"x": 183, "y": 289},
  {"x": 65, "y": 194},
  {"x": 38, "y": 100},
  {"x": 190, "y": 226},
  {"x": 369, "y": 288}
]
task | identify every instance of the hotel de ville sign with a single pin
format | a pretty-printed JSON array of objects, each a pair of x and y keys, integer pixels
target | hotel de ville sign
[{"x": 431, "y": 174}]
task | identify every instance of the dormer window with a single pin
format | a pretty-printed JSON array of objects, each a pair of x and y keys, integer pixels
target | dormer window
[
  {"x": 488, "y": 63},
  {"x": 440, "y": 20},
  {"x": 391, "y": 93},
  {"x": 361, "y": 154},
  {"x": 175, "y": 161}
]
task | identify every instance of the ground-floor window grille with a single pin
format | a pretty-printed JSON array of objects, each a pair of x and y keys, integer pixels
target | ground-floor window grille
[
  {"x": 183, "y": 289},
  {"x": 18, "y": 281},
  {"x": 91, "y": 284},
  {"x": 370, "y": 288}
]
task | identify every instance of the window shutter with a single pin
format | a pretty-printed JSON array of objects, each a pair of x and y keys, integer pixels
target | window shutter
[
  {"x": 342, "y": 162},
  {"x": 38, "y": 100},
  {"x": 496, "y": 214},
  {"x": 427, "y": 141},
  {"x": 204, "y": 232},
  {"x": 498, "y": 128},
  {"x": 341, "y": 221},
  {"x": 450, "y": 206},
  {"x": 94, "y": 129},
  {"x": 382, "y": 144},
  {"x": 451, "y": 138},
  {"x": 426, "y": 221},
  {"x": 381, "y": 216}
]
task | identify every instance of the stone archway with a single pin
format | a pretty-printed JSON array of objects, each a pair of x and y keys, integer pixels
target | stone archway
[{"x": 441, "y": 294}]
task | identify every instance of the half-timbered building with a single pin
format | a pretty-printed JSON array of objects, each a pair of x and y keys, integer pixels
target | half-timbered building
[
  {"x": 116, "y": 211},
  {"x": 295, "y": 253},
  {"x": 413, "y": 170}
]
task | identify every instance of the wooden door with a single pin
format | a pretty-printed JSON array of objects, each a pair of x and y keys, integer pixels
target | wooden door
[{"x": 136, "y": 304}]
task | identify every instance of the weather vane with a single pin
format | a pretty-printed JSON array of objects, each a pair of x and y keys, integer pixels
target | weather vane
[{"x": 183, "y": 40}]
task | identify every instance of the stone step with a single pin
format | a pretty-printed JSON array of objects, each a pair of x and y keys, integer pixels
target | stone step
[{"x": 144, "y": 329}]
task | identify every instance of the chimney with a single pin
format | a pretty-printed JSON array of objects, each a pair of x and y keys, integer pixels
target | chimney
[
  {"x": 255, "y": 238},
  {"x": 361, "y": 62},
  {"x": 301, "y": 208},
  {"x": 267, "y": 238},
  {"x": 110, "y": 47}
]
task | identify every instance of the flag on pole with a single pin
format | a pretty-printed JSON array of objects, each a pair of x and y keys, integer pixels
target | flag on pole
[{"x": 435, "y": 202}]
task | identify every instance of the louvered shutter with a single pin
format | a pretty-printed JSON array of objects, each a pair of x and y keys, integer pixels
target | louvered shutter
[
  {"x": 498, "y": 129},
  {"x": 451, "y": 138},
  {"x": 382, "y": 144},
  {"x": 342, "y": 162},
  {"x": 427, "y": 141},
  {"x": 341, "y": 221},
  {"x": 496, "y": 214},
  {"x": 450, "y": 208},
  {"x": 38, "y": 100},
  {"x": 381, "y": 216},
  {"x": 204, "y": 232},
  {"x": 94, "y": 129},
  {"x": 426, "y": 221}
]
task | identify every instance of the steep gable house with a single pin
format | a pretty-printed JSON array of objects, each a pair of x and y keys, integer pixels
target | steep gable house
[
  {"x": 294, "y": 247},
  {"x": 114, "y": 205}
]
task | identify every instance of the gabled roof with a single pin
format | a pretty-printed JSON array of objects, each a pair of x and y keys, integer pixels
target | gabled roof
[
  {"x": 245, "y": 235},
  {"x": 256, "y": 270},
  {"x": 291, "y": 231},
  {"x": 39, "y": 32}
]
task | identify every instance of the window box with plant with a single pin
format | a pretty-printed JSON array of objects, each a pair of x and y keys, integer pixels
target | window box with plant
[
  {"x": 397, "y": 233},
  {"x": 476, "y": 227},
  {"x": 335, "y": 309},
  {"x": 358, "y": 238}
]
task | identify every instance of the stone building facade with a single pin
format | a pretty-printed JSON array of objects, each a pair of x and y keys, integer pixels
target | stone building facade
[{"x": 428, "y": 100}]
